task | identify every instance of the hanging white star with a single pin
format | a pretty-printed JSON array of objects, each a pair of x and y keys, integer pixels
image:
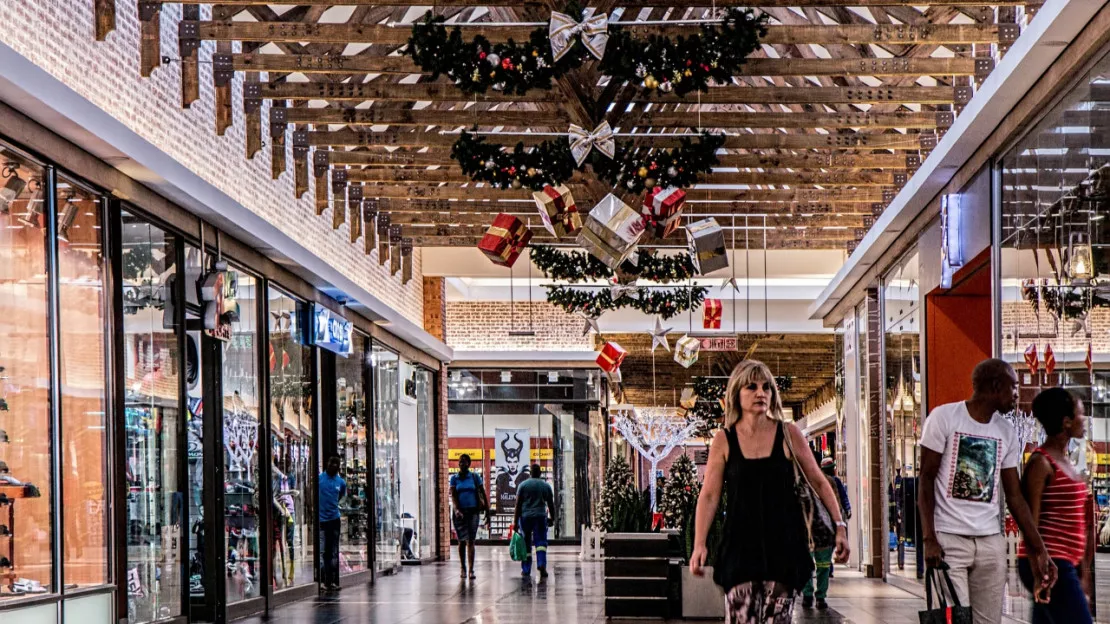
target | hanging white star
[
  {"x": 730, "y": 282},
  {"x": 659, "y": 336},
  {"x": 591, "y": 324}
]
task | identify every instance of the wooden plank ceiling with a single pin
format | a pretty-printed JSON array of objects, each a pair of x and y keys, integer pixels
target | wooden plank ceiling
[
  {"x": 808, "y": 359},
  {"x": 842, "y": 102}
]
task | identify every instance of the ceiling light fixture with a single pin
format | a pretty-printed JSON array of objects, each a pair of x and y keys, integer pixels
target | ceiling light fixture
[{"x": 67, "y": 217}]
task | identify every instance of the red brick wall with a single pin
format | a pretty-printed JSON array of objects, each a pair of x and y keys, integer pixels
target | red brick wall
[
  {"x": 435, "y": 307},
  {"x": 485, "y": 326}
]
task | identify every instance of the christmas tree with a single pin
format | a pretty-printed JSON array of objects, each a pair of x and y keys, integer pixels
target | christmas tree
[
  {"x": 680, "y": 493},
  {"x": 621, "y": 508}
]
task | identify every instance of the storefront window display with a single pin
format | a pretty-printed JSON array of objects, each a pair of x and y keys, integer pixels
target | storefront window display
[
  {"x": 194, "y": 430},
  {"x": 902, "y": 347},
  {"x": 152, "y": 421},
  {"x": 425, "y": 524},
  {"x": 863, "y": 510},
  {"x": 242, "y": 471},
  {"x": 352, "y": 450},
  {"x": 1055, "y": 317},
  {"x": 387, "y": 495},
  {"x": 292, "y": 416},
  {"x": 508, "y": 419},
  {"x": 26, "y": 565}
]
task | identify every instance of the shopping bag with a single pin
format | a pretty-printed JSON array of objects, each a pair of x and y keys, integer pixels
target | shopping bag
[
  {"x": 943, "y": 613},
  {"x": 517, "y": 550}
]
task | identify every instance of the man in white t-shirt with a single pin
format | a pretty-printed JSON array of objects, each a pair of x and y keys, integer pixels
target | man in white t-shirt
[{"x": 969, "y": 451}]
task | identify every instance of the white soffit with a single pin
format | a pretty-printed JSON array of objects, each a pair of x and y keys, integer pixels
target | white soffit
[
  {"x": 1044, "y": 39},
  {"x": 42, "y": 97}
]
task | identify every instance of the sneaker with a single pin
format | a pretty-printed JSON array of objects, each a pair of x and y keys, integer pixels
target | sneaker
[
  {"x": 807, "y": 602},
  {"x": 821, "y": 604}
]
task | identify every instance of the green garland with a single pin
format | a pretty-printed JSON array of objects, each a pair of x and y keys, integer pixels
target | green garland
[
  {"x": 711, "y": 390},
  {"x": 653, "y": 302},
  {"x": 550, "y": 162},
  {"x": 576, "y": 266},
  {"x": 682, "y": 65}
]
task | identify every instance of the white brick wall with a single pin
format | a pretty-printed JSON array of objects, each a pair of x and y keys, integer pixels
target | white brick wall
[
  {"x": 485, "y": 326},
  {"x": 57, "y": 35}
]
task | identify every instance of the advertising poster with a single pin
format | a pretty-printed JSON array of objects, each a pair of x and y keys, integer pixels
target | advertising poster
[{"x": 512, "y": 455}]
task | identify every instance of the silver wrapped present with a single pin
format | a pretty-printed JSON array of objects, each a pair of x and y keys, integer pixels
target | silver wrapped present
[
  {"x": 707, "y": 246},
  {"x": 611, "y": 231}
]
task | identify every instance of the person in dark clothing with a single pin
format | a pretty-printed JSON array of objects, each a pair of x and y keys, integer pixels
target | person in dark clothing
[
  {"x": 828, "y": 466},
  {"x": 330, "y": 489},
  {"x": 765, "y": 556},
  {"x": 535, "y": 510},
  {"x": 818, "y": 587}
]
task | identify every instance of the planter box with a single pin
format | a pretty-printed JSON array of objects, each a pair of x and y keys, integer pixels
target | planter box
[{"x": 701, "y": 597}]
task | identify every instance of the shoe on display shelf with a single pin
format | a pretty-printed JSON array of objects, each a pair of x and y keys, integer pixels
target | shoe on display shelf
[
  {"x": 27, "y": 586},
  {"x": 4, "y": 436},
  {"x": 195, "y": 586},
  {"x": 4, "y": 468},
  {"x": 5, "y": 562},
  {"x": 4, "y": 530}
]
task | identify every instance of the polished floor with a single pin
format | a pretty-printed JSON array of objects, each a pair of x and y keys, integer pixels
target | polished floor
[{"x": 434, "y": 594}]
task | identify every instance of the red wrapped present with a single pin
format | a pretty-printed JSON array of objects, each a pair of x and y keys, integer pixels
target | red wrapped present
[
  {"x": 662, "y": 210},
  {"x": 711, "y": 318},
  {"x": 505, "y": 239},
  {"x": 611, "y": 357},
  {"x": 558, "y": 210}
]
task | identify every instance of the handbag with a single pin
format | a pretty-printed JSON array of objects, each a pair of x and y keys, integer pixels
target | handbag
[
  {"x": 943, "y": 613},
  {"x": 819, "y": 524},
  {"x": 518, "y": 551},
  {"x": 480, "y": 493}
]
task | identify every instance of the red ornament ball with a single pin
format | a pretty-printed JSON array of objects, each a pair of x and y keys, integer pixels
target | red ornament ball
[{"x": 482, "y": 55}]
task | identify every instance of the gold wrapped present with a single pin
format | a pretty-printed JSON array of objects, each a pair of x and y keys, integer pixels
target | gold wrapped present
[
  {"x": 686, "y": 351},
  {"x": 558, "y": 210}
]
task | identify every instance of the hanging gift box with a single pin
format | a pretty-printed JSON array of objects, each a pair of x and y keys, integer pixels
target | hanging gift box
[
  {"x": 611, "y": 231},
  {"x": 611, "y": 356},
  {"x": 707, "y": 246},
  {"x": 711, "y": 314},
  {"x": 686, "y": 351},
  {"x": 558, "y": 210},
  {"x": 662, "y": 210},
  {"x": 1049, "y": 360},
  {"x": 1031, "y": 359},
  {"x": 505, "y": 239}
]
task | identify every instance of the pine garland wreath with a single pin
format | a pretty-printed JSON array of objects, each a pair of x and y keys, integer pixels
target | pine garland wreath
[
  {"x": 576, "y": 266},
  {"x": 681, "y": 65},
  {"x": 476, "y": 66},
  {"x": 653, "y": 302},
  {"x": 633, "y": 168},
  {"x": 680, "y": 493}
]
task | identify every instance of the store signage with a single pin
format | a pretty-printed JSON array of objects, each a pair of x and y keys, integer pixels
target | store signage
[
  {"x": 217, "y": 291},
  {"x": 951, "y": 247},
  {"x": 332, "y": 332},
  {"x": 719, "y": 343}
]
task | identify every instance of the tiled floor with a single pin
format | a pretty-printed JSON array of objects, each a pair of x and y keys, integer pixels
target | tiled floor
[{"x": 434, "y": 594}]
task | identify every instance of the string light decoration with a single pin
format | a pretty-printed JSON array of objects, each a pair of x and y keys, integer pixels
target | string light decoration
[{"x": 654, "y": 432}]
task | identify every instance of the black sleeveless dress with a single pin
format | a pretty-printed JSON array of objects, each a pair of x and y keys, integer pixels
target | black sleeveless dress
[{"x": 765, "y": 537}]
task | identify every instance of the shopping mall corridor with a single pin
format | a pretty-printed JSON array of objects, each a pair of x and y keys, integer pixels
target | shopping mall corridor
[{"x": 434, "y": 594}]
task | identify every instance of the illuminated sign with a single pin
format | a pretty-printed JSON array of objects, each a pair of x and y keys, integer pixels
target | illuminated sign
[{"x": 332, "y": 332}]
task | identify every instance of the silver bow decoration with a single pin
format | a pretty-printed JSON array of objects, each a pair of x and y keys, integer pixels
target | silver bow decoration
[
  {"x": 618, "y": 291},
  {"x": 581, "y": 141},
  {"x": 563, "y": 29}
]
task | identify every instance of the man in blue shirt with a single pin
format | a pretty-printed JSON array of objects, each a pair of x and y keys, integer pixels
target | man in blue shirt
[
  {"x": 330, "y": 488},
  {"x": 533, "y": 500}
]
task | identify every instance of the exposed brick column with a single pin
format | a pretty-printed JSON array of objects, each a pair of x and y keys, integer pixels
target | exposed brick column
[
  {"x": 435, "y": 323},
  {"x": 435, "y": 307},
  {"x": 443, "y": 541}
]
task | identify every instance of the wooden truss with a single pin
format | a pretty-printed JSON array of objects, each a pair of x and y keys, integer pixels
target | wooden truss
[{"x": 823, "y": 125}]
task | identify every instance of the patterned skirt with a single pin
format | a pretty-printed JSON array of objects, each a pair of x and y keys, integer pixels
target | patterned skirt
[{"x": 760, "y": 602}]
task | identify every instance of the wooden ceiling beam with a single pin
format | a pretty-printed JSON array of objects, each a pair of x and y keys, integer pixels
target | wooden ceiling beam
[
  {"x": 694, "y": 208},
  {"x": 483, "y": 219},
  {"x": 744, "y": 161},
  {"x": 385, "y": 34},
  {"x": 415, "y": 175},
  {"x": 731, "y": 94},
  {"x": 540, "y": 234},
  {"x": 419, "y": 138},
  {"x": 821, "y": 196},
  {"x": 783, "y": 242},
  {"x": 639, "y": 118},
  {"x": 403, "y": 65}
]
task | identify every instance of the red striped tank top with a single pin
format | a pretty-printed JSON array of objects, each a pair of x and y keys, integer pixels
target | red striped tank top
[{"x": 1066, "y": 511}]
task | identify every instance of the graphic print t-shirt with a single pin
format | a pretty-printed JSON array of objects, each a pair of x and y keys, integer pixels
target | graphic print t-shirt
[{"x": 969, "y": 480}]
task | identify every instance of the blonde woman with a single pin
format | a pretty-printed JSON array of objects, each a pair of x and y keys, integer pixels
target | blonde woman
[{"x": 764, "y": 561}]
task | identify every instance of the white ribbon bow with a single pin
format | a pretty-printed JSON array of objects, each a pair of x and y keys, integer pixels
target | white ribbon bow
[
  {"x": 581, "y": 141},
  {"x": 563, "y": 29}
]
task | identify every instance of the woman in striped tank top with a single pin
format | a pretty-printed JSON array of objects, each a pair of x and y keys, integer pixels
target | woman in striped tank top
[{"x": 1063, "y": 509}]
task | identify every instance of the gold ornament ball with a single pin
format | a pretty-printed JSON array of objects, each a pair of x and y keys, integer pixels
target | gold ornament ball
[
  {"x": 649, "y": 183},
  {"x": 535, "y": 52},
  {"x": 531, "y": 171},
  {"x": 650, "y": 82},
  {"x": 688, "y": 73},
  {"x": 643, "y": 172},
  {"x": 516, "y": 183}
]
